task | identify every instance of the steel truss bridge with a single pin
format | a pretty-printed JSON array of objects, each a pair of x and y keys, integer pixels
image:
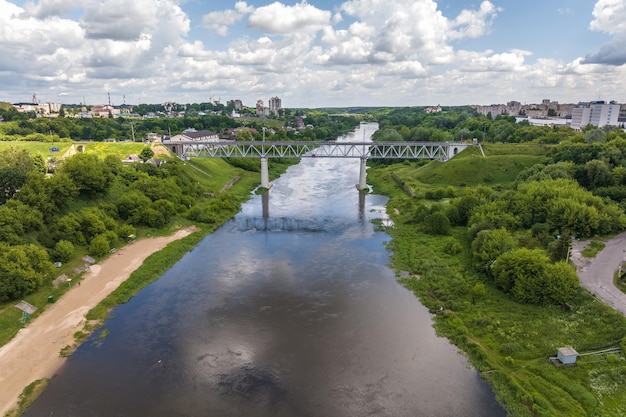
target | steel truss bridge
[
  {"x": 263, "y": 150},
  {"x": 370, "y": 150}
]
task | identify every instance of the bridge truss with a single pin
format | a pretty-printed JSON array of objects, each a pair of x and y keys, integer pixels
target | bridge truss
[{"x": 371, "y": 150}]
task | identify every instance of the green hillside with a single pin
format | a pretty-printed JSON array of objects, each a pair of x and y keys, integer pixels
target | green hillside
[{"x": 498, "y": 168}]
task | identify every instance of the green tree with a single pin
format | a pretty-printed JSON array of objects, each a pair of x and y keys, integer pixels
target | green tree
[
  {"x": 488, "y": 245},
  {"x": 22, "y": 269},
  {"x": 437, "y": 223},
  {"x": 598, "y": 173},
  {"x": 594, "y": 135},
  {"x": 99, "y": 246},
  {"x": 88, "y": 172},
  {"x": 63, "y": 251},
  {"x": 530, "y": 277},
  {"x": 146, "y": 153}
]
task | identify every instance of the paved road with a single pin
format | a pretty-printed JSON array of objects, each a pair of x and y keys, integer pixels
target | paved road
[{"x": 596, "y": 275}]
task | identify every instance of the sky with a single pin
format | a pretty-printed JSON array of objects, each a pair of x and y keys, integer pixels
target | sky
[{"x": 313, "y": 53}]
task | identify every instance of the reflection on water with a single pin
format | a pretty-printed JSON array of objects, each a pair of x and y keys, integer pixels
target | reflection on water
[{"x": 276, "y": 321}]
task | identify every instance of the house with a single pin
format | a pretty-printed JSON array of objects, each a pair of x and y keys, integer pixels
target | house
[
  {"x": 156, "y": 161},
  {"x": 197, "y": 136},
  {"x": 131, "y": 159}
]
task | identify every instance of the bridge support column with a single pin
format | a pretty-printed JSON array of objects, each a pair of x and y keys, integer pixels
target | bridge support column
[
  {"x": 362, "y": 175},
  {"x": 265, "y": 174}
]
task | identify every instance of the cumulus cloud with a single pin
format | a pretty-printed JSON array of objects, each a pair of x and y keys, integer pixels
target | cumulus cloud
[
  {"x": 277, "y": 18},
  {"x": 222, "y": 20},
  {"x": 48, "y": 8},
  {"x": 610, "y": 17},
  {"x": 487, "y": 61},
  {"x": 474, "y": 23}
]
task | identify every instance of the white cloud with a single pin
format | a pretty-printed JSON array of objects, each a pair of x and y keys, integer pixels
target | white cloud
[
  {"x": 472, "y": 24},
  {"x": 277, "y": 18},
  {"x": 222, "y": 20},
  {"x": 610, "y": 17},
  {"x": 512, "y": 61},
  {"x": 392, "y": 52},
  {"x": 48, "y": 8}
]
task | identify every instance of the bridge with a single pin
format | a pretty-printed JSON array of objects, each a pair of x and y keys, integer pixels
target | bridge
[{"x": 263, "y": 150}]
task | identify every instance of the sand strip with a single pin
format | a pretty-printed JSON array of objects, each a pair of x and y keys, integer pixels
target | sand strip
[{"x": 34, "y": 353}]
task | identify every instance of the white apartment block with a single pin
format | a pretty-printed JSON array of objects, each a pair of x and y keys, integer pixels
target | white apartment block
[{"x": 596, "y": 113}]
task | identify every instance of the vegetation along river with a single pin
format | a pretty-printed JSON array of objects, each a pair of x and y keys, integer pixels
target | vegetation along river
[{"x": 290, "y": 309}]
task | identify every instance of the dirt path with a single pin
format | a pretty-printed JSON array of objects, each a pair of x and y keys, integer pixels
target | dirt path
[{"x": 34, "y": 353}]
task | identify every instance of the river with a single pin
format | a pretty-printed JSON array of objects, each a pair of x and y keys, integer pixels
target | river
[{"x": 289, "y": 309}]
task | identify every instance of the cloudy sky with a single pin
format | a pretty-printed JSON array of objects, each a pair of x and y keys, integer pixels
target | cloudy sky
[{"x": 313, "y": 53}]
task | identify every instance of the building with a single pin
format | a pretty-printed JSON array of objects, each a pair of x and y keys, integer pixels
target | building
[
  {"x": 237, "y": 104},
  {"x": 275, "y": 106},
  {"x": 261, "y": 109},
  {"x": 595, "y": 113},
  {"x": 197, "y": 136},
  {"x": 567, "y": 355}
]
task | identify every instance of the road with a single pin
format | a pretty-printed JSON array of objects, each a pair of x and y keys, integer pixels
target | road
[{"x": 596, "y": 275}]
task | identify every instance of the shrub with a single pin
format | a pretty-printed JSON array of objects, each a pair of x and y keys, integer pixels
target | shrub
[{"x": 63, "y": 251}]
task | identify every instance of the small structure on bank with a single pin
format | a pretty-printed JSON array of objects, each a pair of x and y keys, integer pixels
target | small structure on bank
[
  {"x": 565, "y": 356},
  {"x": 27, "y": 310}
]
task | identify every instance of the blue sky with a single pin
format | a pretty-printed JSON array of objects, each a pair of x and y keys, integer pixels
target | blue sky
[{"x": 313, "y": 53}]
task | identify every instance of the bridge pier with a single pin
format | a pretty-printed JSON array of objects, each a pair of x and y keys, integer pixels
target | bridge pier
[
  {"x": 265, "y": 174},
  {"x": 362, "y": 175}
]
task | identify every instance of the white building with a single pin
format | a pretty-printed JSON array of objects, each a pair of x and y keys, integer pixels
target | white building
[{"x": 596, "y": 113}]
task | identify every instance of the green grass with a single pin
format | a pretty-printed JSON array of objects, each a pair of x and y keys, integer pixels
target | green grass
[
  {"x": 467, "y": 169},
  {"x": 28, "y": 395},
  {"x": 592, "y": 249},
  {"x": 508, "y": 342}
]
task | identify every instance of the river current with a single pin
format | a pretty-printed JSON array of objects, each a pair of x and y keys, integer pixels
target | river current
[{"x": 289, "y": 309}]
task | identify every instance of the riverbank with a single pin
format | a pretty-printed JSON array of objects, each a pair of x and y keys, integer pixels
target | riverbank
[{"x": 35, "y": 352}]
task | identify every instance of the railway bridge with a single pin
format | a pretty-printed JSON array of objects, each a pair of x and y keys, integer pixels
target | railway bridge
[{"x": 442, "y": 151}]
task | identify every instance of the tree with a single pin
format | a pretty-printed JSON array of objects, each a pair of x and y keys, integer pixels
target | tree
[
  {"x": 488, "y": 245},
  {"x": 63, "y": 251},
  {"x": 594, "y": 135},
  {"x": 437, "y": 223},
  {"x": 598, "y": 173},
  {"x": 530, "y": 277},
  {"x": 146, "y": 153},
  {"x": 99, "y": 246},
  {"x": 22, "y": 269},
  {"x": 88, "y": 172}
]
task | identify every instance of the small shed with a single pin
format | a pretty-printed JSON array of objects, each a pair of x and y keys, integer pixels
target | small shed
[
  {"x": 88, "y": 260},
  {"x": 567, "y": 355},
  {"x": 27, "y": 309}
]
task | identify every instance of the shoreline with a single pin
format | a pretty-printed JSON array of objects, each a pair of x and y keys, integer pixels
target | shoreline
[{"x": 35, "y": 351}]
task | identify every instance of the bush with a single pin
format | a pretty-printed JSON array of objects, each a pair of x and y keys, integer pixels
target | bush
[
  {"x": 99, "y": 246},
  {"x": 63, "y": 251}
]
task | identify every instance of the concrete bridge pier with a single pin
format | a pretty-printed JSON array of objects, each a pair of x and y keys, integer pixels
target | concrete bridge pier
[
  {"x": 265, "y": 174},
  {"x": 362, "y": 175}
]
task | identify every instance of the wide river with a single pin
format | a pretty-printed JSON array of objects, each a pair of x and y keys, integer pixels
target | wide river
[{"x": 289, "y": 309}]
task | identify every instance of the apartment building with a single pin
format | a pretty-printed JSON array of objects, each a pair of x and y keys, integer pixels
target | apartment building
[
  {"x": 595, "y": 113},
  {"x": 275, "y": 105}
]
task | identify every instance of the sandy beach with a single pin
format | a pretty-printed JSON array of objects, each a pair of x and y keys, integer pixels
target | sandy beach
[{"x": 34, "y": 353}]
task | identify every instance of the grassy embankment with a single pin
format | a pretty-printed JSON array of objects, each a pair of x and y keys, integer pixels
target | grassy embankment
[{"x": 507, "y": 342}]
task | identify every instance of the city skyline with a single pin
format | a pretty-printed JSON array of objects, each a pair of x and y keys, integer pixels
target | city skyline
[{"x": 316, "y": 53}]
